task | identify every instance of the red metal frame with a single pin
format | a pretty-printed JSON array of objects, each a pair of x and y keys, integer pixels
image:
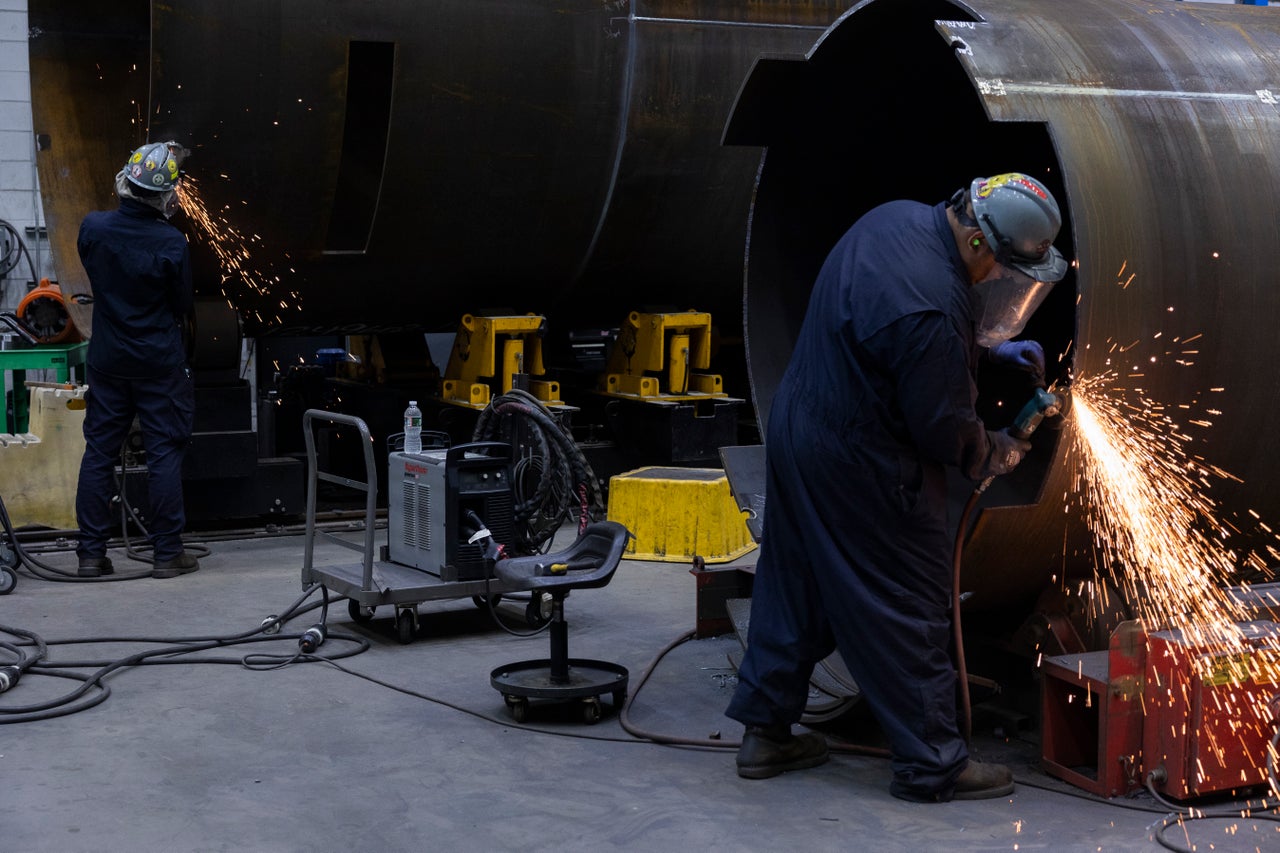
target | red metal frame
[{"x": 1091, "y": 725}]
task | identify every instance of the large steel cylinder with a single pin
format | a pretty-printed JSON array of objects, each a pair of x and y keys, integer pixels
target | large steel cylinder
[
  {"x": 1157, "y": 127},
  {"x": 399, "y": 163}
]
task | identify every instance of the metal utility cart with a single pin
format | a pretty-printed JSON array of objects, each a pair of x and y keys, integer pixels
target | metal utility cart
[{"x": 372, "y": 583}]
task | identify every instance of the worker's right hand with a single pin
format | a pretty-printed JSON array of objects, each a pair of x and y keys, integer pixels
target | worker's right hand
[{"x": 1006, "y": 452}]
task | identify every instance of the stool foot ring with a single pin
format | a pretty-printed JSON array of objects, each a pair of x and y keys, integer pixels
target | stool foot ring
[{"x": 588, "y": 680}]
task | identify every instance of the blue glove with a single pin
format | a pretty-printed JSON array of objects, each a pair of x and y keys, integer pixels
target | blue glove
[{"x": 1027, "y": 356}]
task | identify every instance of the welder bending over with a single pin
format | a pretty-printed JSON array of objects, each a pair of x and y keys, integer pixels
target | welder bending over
[
  {"x": 877, "y": 401},
  {"x": 140, "y": 270}
]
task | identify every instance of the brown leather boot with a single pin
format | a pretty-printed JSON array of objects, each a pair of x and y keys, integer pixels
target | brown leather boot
[
  {"x": 767, "y": 752},
  {"x": 983, "y": 781}
]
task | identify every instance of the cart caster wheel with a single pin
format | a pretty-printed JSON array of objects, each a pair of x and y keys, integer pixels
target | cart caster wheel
[
  {"x": 406, "y": 626},
  {"x": 519, "y": 709},
  {"x": 361, "y": 614},
  {"x": 271, "y": 625},
  {"x": 591, "y": 711},
  {"x": 483, "y": 603},
  {"x": 8, "y": 580}
]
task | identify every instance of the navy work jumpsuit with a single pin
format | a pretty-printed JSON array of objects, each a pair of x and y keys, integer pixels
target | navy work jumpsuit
[
  {"x": 877, "y": 400},
  {"x": 139, "y": 267}
]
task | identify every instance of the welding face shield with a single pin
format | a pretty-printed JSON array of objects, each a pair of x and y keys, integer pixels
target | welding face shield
[{"x": 1003, "y": 302}]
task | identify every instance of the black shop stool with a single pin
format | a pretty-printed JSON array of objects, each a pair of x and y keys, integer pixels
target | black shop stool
[{"x": 588, "y": 563}]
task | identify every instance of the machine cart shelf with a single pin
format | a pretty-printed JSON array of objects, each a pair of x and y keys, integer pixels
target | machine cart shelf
[{"x": 372, "y": 582}]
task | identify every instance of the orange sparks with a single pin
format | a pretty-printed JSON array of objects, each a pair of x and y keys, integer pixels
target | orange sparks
[{"x": 240, "y": 278}]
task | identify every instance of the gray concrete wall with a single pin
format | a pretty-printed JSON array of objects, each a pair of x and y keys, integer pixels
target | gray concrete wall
[{"x": 19, "y": 195}]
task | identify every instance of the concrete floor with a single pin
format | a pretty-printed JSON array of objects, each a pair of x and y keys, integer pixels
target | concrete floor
[{"x": 196, "y": 757}]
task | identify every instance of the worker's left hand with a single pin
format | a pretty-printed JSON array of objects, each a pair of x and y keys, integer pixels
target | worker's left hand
[{"x": 1027, "y": 356}]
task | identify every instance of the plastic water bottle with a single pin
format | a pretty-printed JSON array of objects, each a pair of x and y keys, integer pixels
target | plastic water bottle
[{"x": 413, "y": 428}]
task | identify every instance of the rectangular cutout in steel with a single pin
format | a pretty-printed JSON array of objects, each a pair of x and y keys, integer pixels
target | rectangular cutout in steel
[{"x": 370, "y": 78}]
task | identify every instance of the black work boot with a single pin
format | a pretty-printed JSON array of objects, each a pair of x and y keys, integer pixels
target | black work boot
[
  {"x": 183, "y": 564},
  {"x": 92, "y": 567},
  {"x": 766, "y": 752},
  {"x": 983, "y": 781}
]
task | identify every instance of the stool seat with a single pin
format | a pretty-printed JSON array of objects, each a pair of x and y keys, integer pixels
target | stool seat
[{"x": 588, "y": 563}]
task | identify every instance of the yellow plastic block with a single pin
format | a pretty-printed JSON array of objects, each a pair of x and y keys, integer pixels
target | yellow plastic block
[
  {"x": 678, "y": 513},
  {"x": 38, "y": 478}
]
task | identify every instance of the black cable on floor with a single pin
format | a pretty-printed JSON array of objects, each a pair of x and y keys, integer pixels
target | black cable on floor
[
  {"x": 84, "y": 696},
  {"x": 1178, "y": 816}
]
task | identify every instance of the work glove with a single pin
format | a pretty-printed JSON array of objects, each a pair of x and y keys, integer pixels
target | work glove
[
  {"x": 1006, "y": 452},
  {"x": 1027, "y": 356}
]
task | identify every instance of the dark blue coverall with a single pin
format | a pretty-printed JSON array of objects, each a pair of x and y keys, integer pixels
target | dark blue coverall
[
  {"x": 139, "y": 267},
  {"x": 855, "y": 554}
]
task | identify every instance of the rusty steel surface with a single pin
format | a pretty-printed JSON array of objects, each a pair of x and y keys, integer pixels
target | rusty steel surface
[
  {"x": 556, "y": 157},
  {"x": 88, "y": 101},
  {"x": 1156, "y": 125}
]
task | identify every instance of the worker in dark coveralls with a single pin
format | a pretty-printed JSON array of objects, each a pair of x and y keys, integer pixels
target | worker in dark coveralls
[
  {"x": 877, "y": 401},
  {"x": 140, "y": 271}
]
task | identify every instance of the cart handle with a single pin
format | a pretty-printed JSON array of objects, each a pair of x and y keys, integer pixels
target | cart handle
[{"x": 369, "y": 486}]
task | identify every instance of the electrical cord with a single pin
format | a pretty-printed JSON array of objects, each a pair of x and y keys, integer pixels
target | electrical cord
[
  {"x": 93, "y": 690},
  {"x": 957, "y": 632},
  {"x": 1179, "y": 816},
  {"x": 13, "y": 253},
  {"x": 128, "y": 512},
  {"x": 565, "y": 488}
]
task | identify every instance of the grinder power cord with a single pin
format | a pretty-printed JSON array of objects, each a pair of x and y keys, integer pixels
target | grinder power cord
[{"x": 1043, "y": 403}]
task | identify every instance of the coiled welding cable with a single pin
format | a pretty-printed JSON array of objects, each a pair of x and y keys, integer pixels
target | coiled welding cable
[{"x": 566, "y": 487}]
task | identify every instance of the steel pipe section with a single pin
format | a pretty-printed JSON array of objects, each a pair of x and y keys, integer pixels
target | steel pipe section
[
  {"x": 399, "y": 163},
  {"x": 1156, "y": 124}
]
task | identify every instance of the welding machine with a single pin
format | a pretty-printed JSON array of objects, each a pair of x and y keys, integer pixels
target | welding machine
[
  {"x": 429, "y": 497},
  {"x": 1208, "y": 710}
]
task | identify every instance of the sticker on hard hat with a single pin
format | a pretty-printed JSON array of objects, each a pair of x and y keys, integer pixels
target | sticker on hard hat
[
  {"x": 137, "y": 157},
  {"x": 137, "y": 170},
  {"x": 157, "y": 179},
  {"x": 992, "y": 184},
  {"x": 173, "y": 169}
]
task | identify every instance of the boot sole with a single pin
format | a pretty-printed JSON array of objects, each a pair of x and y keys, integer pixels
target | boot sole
[
  {"x": 768, "y": 771},
  {"x": 172, "y": 573},
  {"x": 984, "y": 793}
]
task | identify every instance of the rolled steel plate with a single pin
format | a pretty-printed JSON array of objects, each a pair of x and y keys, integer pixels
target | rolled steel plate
[
  {"x": 1156, "y": 125},
  {"x": 557, "y": 157}
]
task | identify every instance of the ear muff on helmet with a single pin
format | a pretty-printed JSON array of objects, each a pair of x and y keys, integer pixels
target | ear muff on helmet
[{"x": 1003, "y": 246}]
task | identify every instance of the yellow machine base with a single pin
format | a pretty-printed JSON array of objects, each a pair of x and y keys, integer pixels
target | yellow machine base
[{"x": 676, "y": 514}]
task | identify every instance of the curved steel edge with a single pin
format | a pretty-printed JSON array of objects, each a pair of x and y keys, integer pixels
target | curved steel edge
[{"x": 1155, "y": 124}]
